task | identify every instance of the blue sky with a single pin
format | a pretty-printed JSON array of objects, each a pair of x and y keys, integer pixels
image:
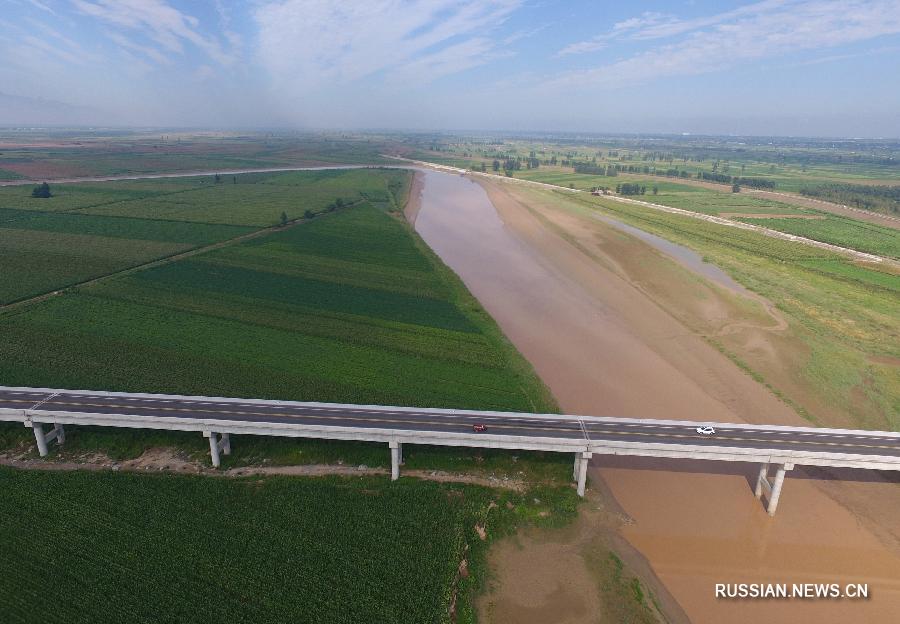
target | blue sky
[{"x": 779, "y": 67}]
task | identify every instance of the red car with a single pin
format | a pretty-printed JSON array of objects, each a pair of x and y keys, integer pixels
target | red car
[{"x": 479, "y": 428}]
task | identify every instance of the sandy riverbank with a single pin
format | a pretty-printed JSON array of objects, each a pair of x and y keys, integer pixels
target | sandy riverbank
[{"x": 588, "y": 306}]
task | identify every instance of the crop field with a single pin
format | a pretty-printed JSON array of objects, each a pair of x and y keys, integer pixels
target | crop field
[
  {"x": 349, "y": 306},
  {"x": 94, "y": 229},
  {"x": 839, "y": 231},
  {"x": 37, "y": 156},
  {"x": 245, "y": 550},
  {"x": 308, "y": 313}
]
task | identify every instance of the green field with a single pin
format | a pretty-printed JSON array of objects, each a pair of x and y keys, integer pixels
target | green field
[
  {"x": 90, "y": 230},
  {"x": 118, "y": 547},
  {"x": 79, "y": 153},
  {"x": 349, "y": 306},
  {"x": 839, "y": 231},
  {"x": 345, "y": 308}
]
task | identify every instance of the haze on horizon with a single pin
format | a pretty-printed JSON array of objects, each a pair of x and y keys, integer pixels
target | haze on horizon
[{"x": 775, "y": 67}]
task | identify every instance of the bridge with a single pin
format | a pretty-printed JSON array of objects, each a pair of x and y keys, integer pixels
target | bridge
[{"x": 777, "y": 448}]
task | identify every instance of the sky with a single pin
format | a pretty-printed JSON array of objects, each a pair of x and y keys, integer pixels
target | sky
[{"x": 775, "y": 67}]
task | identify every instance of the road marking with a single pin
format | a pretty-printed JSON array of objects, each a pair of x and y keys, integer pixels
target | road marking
[
  {"x": 528, "y": 425},
  {"x": 421, "y": 423},
  {"x": 44, "y": 400}
]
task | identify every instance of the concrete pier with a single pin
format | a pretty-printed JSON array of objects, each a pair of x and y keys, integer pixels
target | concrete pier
[
  {"x": 582, "y": 472},
  {"x": 772, "y": 489},
  {"x": 218, "y": 442},
  {"x": 396, "y": 454},
  {"x": 44, "y": 439}
]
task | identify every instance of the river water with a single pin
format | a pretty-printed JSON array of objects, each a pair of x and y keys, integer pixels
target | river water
[{"x": 697, "y": 523}]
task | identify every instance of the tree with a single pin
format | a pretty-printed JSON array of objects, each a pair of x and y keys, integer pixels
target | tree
[
  {"x": 234, "y": 179},
  {"x": 496, "y": 165},
  {"x": 339, "y": 203},
  {"x": 218, "y": 178},
  {"x": 284, "y": 219},
  {"x": 42, "y": 191},
  {"x": 735, "y": 188},
  {"x": 655, "y": 190},
  {"x": 483, "y": 167},
  {"x": 308, "y": 214}
]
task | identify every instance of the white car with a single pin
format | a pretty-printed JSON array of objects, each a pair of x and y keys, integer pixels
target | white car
[{"x": 706, "y": 430}]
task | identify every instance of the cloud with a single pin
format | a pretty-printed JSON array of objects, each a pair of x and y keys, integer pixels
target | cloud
[
  {"x": 758, "y": 31},
  {"x": 317, "y": 42},
  {"x": 160, "y": 22}
]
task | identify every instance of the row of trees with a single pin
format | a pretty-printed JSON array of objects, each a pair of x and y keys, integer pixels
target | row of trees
[{"x": 761, "y": 183}]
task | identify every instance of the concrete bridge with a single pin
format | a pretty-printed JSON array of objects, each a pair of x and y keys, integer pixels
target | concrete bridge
[{"x": 775, "y": 448}]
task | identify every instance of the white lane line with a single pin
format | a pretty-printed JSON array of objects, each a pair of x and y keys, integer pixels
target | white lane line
[{"x": 44, "y": 400}]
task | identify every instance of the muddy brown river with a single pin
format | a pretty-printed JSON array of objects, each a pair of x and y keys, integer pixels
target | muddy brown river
[{"x": 603, "y": 348}]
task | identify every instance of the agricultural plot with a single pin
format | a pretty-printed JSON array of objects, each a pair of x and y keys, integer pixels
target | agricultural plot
[
  {"x": 348, "y": 307},
  {"x": 240, "y": 550},
  {"x": 126, "y": 153},
  {"x": 90, "y": 230},
  {"x": 841, "y": 231}
]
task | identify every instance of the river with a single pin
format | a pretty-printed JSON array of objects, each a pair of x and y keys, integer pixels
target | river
[{"x": 604, "y": 349}]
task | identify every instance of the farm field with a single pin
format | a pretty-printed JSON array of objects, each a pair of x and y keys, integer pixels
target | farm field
[
  {"x": 93, "y": 229},
  {"x": 838, "y": 231},
  {"x": 250, "y": 549},
  {"x": 349, "y": 306},
  {"x": 38, "y": 156}
]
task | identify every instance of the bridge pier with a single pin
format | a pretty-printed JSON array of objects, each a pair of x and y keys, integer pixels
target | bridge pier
[
  {"x": 582, "y": 460},
  {"x": 772, "y": 489},
  {"x": 218, "y": 442},
  {"x": 396, "y": 458},
  {"x": 43, "y": 439}
]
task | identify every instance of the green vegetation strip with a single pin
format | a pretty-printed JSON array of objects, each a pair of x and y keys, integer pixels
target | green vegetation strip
[
  {"x": 116, "y": 547},
  {"x": 840, "y": 231}
]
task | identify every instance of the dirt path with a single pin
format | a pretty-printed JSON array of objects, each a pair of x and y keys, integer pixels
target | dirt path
[
  {"x": 171, "y": 461},
  {"x": 588, "y": 324}
]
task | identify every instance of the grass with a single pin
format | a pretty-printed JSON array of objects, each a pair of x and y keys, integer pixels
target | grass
[
  {"x": 828, "y": 228},
  {"x": 842, "y": 314},
  {"x": 624, "y": 596},
  {"x": 251, "y": 549}
]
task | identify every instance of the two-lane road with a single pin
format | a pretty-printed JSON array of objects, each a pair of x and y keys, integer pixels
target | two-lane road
[{"x": 589, "y": 431}]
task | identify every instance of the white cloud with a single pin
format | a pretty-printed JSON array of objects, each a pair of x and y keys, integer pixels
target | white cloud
[
  {"x": 758, "y": 31},
  {"x": 158, "y": 21},
  {"x": 316, "y": 42}
]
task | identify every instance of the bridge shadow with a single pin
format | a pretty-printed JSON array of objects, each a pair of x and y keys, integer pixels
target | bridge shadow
[{"x": 748, "y": 470}]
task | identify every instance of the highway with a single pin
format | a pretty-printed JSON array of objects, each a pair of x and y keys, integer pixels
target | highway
[
  {"x": 579, "y": 429},
  {"x": 218, "y": 418}
]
